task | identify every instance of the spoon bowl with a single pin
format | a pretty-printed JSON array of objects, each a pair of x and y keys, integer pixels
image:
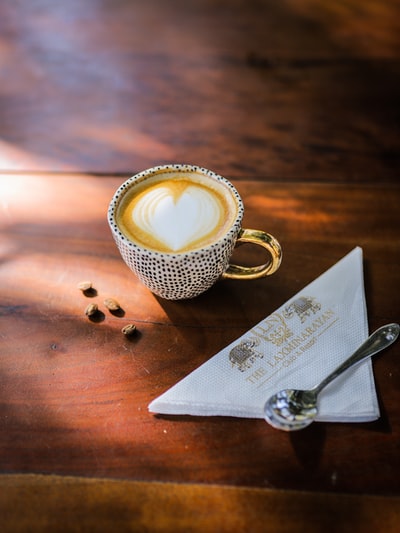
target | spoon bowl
[{"x": 292, "y": 409}]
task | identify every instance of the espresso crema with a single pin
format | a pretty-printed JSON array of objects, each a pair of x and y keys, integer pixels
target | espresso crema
[{"x": 177, "y": 212}]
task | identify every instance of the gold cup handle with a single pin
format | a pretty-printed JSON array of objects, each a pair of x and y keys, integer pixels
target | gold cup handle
[{"x": 265, "y": 240}]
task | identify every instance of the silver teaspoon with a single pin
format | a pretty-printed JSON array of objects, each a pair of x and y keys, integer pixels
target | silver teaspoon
[{"x": 292, "y": 409}]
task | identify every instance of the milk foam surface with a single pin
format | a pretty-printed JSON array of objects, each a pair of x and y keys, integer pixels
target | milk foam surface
[
  {"x": 177, "y": 220},
  {"x": 177, "y": 215}
]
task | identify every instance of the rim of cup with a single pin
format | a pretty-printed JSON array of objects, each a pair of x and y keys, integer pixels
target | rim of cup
[{"x": 176, "y": 167}]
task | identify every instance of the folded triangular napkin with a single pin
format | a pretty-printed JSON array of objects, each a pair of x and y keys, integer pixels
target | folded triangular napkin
[{"x": 296, "y": 346}]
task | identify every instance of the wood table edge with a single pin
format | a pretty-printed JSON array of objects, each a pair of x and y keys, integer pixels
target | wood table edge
[{"x": 31, "y": 502}]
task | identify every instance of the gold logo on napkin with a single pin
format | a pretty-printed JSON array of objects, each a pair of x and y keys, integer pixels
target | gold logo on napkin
[
  {"x": 243, "y": 355},
  {"x": 275, "y": 329},
  {"x": 303, "y": 307}
]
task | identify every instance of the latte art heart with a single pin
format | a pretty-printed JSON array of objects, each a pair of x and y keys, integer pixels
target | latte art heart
[
  {"x": 177, "y": 213},
  {"x": 177, "y": 219}
]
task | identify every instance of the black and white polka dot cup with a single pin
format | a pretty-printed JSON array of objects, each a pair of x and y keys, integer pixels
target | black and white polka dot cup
[{"x": 172, "y": 257}]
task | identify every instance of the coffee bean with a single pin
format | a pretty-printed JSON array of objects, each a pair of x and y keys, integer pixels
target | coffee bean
[
  {"x": 85, "y": 286},
  {"x": 129, "y": 329},
  {"x": 91, "y": 310},
  {"x": 112, "y": 304}
]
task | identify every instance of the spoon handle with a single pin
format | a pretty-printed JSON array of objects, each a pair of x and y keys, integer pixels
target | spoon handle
[{"x": 380, "y": 339}]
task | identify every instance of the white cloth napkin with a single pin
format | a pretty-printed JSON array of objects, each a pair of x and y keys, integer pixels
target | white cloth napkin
[{"x": 296, "y": 346}]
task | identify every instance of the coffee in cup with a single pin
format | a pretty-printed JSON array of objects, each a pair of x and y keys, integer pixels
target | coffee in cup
[
  {"x": 177, "y": 212},
  {"x": 176, "y": 227}
]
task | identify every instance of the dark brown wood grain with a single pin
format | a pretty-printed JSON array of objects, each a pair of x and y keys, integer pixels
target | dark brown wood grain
[
  {"x": 297, "y": 103},
  {"x": 69, "y": 504},
  {"x": 75, "y": 392},
  {"x": 287, "y": 90}
]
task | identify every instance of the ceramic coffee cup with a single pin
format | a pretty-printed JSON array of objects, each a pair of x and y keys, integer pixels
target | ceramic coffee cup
[{"x": 176, "y": 227}]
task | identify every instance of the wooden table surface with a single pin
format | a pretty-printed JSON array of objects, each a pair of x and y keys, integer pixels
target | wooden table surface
[{"x": 297, "y": 103}]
